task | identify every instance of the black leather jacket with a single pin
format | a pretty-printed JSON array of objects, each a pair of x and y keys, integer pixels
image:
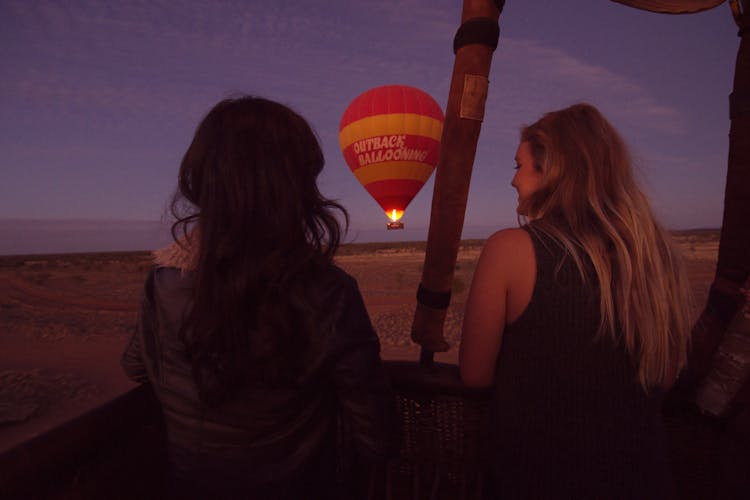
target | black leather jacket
[{"x": 268, "y": 443}]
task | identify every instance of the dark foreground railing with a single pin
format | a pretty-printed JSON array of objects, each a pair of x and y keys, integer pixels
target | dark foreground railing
[
  {"x": 117, "y": 451},
  {"x": 442, "y": 423}
]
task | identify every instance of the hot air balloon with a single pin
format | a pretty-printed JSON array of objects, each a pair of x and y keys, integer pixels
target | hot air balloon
[{"x": 390, "y": 138}]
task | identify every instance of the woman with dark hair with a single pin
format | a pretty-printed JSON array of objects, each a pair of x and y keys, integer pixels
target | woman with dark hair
[
  {"x": 580, "y": 320},
  {"x": 257, "y": 346}
]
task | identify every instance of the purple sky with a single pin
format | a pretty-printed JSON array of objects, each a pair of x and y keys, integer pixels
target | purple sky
[{"x": 99, "y": 99}]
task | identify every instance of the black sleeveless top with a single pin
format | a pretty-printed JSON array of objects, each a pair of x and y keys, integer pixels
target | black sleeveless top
[{"x": 569, "y": 418}]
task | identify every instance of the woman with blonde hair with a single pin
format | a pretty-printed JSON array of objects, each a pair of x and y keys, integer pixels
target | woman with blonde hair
[{"x": 579, "y": 318}]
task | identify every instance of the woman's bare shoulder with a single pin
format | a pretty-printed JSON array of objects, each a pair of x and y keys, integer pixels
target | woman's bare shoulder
[
  {"x": 508, "y": 255},
  {"x": 508, "y": 241}
]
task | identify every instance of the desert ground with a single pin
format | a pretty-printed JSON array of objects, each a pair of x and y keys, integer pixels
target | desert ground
[{"x": 64, "y": 320}]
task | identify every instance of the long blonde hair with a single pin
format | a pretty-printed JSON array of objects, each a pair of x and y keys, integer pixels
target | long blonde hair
[{"x": 588, "y": 183}]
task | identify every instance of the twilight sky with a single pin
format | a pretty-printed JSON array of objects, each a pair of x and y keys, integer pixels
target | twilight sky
[{"x": 99, "y": 99}]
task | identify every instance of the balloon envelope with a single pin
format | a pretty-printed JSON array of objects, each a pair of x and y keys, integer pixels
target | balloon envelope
[
  {"x": 390, "y": 138},
  {"x": 672, "y": 6}
]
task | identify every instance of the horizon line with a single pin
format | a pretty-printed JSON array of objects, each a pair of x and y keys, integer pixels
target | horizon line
[{"x": 366, "y": 228}]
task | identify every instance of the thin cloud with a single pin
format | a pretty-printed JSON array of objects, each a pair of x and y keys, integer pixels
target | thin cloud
[{"x": 549, "y": 70}]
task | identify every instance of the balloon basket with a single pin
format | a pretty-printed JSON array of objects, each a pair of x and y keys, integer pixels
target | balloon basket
[{"x": 394, "y": 225}]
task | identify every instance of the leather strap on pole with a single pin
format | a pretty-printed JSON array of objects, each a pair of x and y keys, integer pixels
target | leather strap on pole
[
  {"x": 479, "y": 30},
  {"x": 433, "y": 299}
]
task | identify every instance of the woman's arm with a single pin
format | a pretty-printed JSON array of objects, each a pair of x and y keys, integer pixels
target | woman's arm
[{"x": 503, "y": 260}]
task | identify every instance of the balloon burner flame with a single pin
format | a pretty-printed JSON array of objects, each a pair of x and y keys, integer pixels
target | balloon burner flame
[{"x": 395, "y": 215}]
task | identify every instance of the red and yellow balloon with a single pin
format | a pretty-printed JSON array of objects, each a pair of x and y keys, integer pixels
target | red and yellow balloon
[{"x": 390, "y": 138}]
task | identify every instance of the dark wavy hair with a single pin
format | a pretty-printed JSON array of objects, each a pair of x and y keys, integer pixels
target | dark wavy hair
[{"x": 247, "y": 188}]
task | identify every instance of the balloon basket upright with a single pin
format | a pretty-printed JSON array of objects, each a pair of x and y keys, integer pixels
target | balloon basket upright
[{"x": 395, "y": 225}]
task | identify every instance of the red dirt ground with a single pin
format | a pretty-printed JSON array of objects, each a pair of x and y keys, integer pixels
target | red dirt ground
[{"x": 64, "y": 321}]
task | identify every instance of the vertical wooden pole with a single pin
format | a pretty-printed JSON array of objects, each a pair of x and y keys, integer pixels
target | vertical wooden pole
[
  {"x": 474, "y": 45},
  {"x": 733, "y": 265}
]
